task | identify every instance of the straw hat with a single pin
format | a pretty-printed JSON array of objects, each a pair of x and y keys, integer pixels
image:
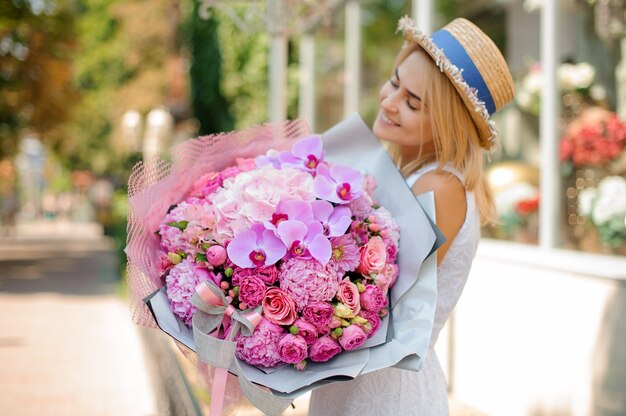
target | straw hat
[{"x": 474, "y": 65}]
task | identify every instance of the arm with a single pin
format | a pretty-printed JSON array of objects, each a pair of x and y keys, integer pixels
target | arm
[{"x": 450, "y": 204}]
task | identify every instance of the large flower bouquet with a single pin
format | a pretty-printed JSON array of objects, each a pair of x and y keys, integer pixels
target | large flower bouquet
[
  {"x": 268, "y": 249},
  {"x": 293, "y": 234}
]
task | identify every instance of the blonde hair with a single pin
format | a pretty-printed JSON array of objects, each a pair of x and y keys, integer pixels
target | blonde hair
[{"x": 455, "y": 136}]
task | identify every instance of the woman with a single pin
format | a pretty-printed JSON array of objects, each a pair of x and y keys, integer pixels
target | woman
[{"x": 434, "y": 112}]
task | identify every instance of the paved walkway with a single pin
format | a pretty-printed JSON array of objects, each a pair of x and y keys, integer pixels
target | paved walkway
[{"x": 67, "y": 343}]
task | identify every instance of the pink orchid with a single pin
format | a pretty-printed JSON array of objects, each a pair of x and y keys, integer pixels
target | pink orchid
[
  {"x": 305, "y": 154},
  {"x": 335, "y": 220},
  {"x": 305, "y": 240},
  {"x": 339, "y": 184},
  {"x": 255, "y": 247},
  {"x": 290, "y": 210}
]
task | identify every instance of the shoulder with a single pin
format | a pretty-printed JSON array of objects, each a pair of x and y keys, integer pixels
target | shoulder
[{"x": 450, "y": 203}]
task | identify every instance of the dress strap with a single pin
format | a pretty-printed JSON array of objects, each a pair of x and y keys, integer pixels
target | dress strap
[{"x": 413, "y": 177}]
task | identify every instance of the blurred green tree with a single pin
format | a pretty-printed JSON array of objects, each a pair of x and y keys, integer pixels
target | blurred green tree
[
  {"x": 208, "y": 103},
  {"x": 37, "y": 42}
]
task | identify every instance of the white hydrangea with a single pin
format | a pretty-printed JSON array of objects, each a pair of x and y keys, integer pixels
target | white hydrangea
[{"x": 610, "y": 201}]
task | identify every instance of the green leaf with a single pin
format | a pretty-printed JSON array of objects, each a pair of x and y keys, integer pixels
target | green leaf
[
  {"x": 200, "y": 258},
  {"x": 181, "y": 225}
]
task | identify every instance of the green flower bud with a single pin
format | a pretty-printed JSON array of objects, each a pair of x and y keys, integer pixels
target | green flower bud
[
  {"x": 345, "y": 323},
  {"x": 174, "y": 258},
  {"x": 236, "y": 290},
  {"x": 294, "y": 329},
  {"x": 359, "y": 320},
  {"x": 228, "y": 272},
  {"x": 361, "y": 287},
  {"x": 337, "y": 332}
]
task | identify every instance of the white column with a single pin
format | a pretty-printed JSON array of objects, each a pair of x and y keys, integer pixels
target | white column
[
  {"x": 277, "y": 62},
  {"x": 423, "y": 14},
  {"x": 353, "y": 58},
  {"x": 306, "y": 100},
  {"x": 549, "y": 209}
]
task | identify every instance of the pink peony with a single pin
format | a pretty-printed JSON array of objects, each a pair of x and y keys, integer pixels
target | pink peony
[
  {"x": 373, "y": 319},
  {"x": 292, "y": 348},
  {"x": 308, "y": 281},
  {"x": 261, "y": 348},
  {"x": 324, "y": 349},
  {"x": 252, "y": 291},
  {"x": 361, "y": 207},
  {"x": 180, "y": 286},
  {"x": 216, "y": 255},
  {"x": 373, "y": 299},
  {"x": 278, "y": 307},
  {"x": 352, "y": 337},
  {"x": 318, "y": 313},
  {"x": 345, "y": 254},
  {"x": 373, "y": 256},
  {"x": 307, "y": 330},
  {"x": 348, "y": 294}
]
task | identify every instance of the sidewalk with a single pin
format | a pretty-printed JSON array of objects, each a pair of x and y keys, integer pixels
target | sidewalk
[{"x": 67, "y": 343}]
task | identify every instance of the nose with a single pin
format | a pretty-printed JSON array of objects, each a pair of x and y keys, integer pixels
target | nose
[{"x": 388, "y": 102}]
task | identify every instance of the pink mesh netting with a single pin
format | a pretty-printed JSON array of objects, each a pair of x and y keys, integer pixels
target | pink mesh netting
[{"x": 157, "y": 184}]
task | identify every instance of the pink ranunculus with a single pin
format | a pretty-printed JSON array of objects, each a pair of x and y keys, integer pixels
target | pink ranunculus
[
  {"x": 307, "y": 330},
  {"x": 324, "y": 349},
  {"x": 278, "y": 307},
  {"x": 261, "y": 348},
  {"x": 292, "y": 348},
  {"x": 216, "y": 255},
  {"x": 373, "y": 299},
  {"x": 373, "y": 256},
  {"x": 318, "y": 313},
  {"x": 348, "y": 294},
  {"x": 252, "y": 291},
  {"x": 352, "y": 337},
  {"x": 392, "y": 250},
  {"x": 306, "y": 280},
  {"x": 372, "y": 318}
]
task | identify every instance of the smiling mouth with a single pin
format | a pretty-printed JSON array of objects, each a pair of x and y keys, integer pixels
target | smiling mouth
[{"x": 387, "y": 120}]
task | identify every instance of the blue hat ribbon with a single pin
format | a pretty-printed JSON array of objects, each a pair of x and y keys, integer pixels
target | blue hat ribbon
[{"x": 457, "y": 55}]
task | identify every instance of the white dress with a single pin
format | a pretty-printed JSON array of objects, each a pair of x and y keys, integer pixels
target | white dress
[{"x": 397, "y": 392}]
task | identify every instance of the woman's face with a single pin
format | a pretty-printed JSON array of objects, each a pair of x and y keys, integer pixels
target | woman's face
[{"x": 403, "y": 118}]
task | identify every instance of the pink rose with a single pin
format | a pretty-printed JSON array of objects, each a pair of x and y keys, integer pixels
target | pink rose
[
  {"x": 292, "y": 348},
  {"x": 352, "y": 337},
  {"x": 373, "y": 319},
  {"x": 252, "y": 291},
  {"x": 335, "y": 322},
  {"x": 324, "y": 349},
  {"x": 392, "y": 250},
  {"x": 373, "y": 256},
  {"x": 216, "y": 255},
  {"x": 278, "y": 307},
  {"x": 348, "y": 294},
  {"x": 306, "y": 331},
  {"x": 390, "y": 274},
  {"x": 318, "y": 313},
  {"x": 373, "y": 299}
]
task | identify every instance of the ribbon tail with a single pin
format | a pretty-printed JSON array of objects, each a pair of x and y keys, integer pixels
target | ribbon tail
[
  {"x": 218, "y": 391},
  {"x": 266, "y": 402}
]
